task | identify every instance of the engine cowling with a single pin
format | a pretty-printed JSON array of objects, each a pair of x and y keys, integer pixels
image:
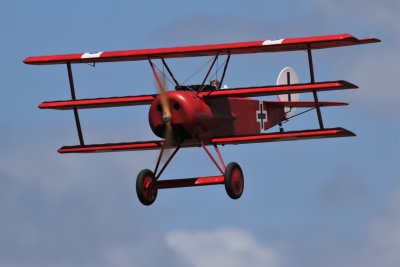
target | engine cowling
[{"x": 190, "y": 115}]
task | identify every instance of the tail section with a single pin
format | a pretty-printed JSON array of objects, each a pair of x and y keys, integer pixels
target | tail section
[{"x": 288, "y": 76}]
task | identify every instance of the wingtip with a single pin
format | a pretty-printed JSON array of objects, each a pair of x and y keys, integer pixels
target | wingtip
[
  {"x": 40, "y": 105},
  {"x": 349, "y": 85},
  {"x": 31, "y": 61},
  {"x": 346, "y": 132},
  {"x": 26, "y": 60},
  {"x": 370, "y": 40}
]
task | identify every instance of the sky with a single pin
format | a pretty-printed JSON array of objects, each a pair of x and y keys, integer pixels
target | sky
[{"x": 331, "y": 202}]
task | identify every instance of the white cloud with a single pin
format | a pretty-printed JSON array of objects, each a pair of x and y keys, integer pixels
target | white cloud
[{"x": 223, "y": 247}]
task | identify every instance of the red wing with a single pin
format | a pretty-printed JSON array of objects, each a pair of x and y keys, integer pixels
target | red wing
[
  {"x": 112, "y": 147},
  {"x": 286, "y": 136},
  {"x": 280, "y": 89},
  {"x": 99, "y": 102},
  {"x": 234, "y": 92},
  {"x": 126, "y": 146},
  {"x": 268, "y": 137},
  {"x": 281, "y": 45}
]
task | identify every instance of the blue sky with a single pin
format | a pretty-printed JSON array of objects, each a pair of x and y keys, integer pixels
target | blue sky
[{"x": 309, "y": 203}]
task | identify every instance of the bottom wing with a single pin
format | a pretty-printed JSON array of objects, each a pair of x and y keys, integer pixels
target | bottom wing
[
  {"x": 267, "y": 137},
  {"x": 285, "y": 136},
  {"x": 112, "y": 147}
]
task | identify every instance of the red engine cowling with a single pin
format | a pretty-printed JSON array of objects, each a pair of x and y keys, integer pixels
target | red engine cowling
[{"x": 190, "y": 115}]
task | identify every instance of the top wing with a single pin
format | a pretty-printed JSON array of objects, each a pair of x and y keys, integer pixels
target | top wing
[{"x": 280, "y": 45}]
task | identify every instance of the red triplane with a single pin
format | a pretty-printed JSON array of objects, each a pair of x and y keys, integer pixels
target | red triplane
[{"x": 208, "y": 115}]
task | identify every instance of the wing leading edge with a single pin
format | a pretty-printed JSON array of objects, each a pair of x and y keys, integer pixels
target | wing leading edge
[
  {"x": 234, "y": 92},
  {"x": 99, "y": 102},
  {"x": 286, "y": 136},
  {"x": 230, "y": 140},
  {"x": 263, "y": 46}
]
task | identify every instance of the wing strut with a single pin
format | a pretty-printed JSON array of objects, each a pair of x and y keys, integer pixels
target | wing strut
[
  {"x": 76, "y": 115},
  {"x": 170, "y": 72},
  {"x": 213, "y": 159},
  {"x": 159, "y": 83},
  {"x": 312, "y": 78},
  {"x": 223, "y": 74},
  {"x": 208, "y": 73},
  {"x": 167, "y": 162}
]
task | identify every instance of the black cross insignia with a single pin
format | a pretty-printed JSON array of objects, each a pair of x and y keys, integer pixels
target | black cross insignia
[{"x": 261, "y": 116}]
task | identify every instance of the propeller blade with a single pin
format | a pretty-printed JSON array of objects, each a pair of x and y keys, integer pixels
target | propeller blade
[
  {"x": 163, "y": 98},
  {"x": 167, "y": 115}
]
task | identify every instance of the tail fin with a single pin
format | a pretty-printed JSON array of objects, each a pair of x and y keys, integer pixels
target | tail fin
[{"x": 288, "y": 76}]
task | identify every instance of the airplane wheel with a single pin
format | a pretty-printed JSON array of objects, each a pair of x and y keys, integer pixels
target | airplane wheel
[
  {"x": 145, "y": 193},
  {"x": 234, "y": 181}
]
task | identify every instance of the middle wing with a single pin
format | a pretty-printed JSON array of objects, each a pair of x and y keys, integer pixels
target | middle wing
[
  {"x": 234, "y": 92},
  {"x": 104, "y": 102}
]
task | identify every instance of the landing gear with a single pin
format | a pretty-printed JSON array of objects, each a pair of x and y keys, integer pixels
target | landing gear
[
  {"x": 145, "y": 189},
  {"x": 233, "y": 180},
  {"x": 147, "y": 183}
]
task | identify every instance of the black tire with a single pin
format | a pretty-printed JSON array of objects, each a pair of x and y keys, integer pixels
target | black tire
[
  {"x": 234, "y": 181},
  {"x": 146, "y": 194}
]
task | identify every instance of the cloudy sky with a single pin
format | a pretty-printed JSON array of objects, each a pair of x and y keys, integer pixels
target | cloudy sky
[{"x": 309, "y": 203}]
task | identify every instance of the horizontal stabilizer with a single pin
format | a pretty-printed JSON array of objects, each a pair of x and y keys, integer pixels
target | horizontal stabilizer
[
  {"x": 285, "y": 136},
  {"x": 305, "y": 104}
]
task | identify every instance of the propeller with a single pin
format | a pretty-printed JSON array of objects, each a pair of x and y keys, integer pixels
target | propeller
[
  {"x": 166, "y": 112},
  {"x": 166, "y": 152}
]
